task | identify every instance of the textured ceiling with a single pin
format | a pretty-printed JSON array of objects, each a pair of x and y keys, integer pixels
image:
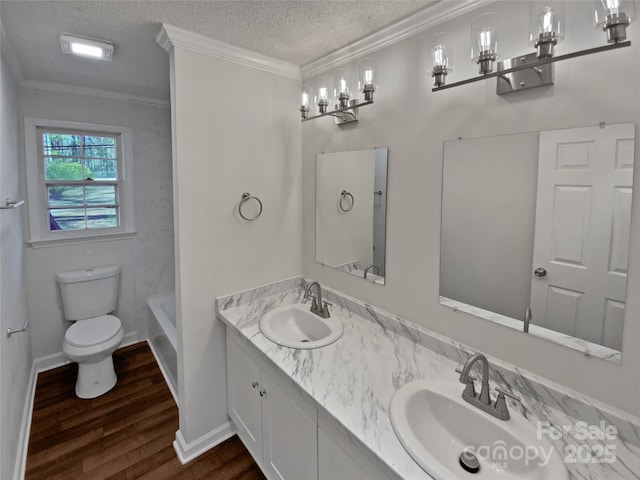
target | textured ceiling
[{"x": 294, "y": 31}]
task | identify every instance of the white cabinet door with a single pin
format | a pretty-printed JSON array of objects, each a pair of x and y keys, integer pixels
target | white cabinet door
[
  {"x": 581, "y": 244},
  {"x": 333, "y": 463},
  {"x": 339, "y": 458},
  {"x": 243, "y": 385},
  {"x": 290, "y": 448}
]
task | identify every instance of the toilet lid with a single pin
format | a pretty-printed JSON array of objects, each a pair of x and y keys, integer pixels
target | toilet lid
[{"x": 92, "y": 331}]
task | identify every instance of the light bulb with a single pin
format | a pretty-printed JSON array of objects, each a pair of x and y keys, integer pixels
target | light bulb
[
  {"x": 613, "y": 6},
  {"x": 485, "y": 39},
  {"x": 546, "y": 20},
  {"x": 440, "y": 59},
  {"x": 439, "y": 56}
]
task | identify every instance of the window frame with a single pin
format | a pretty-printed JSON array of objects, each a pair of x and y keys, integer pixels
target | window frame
[{"x": 38, "y": 208}]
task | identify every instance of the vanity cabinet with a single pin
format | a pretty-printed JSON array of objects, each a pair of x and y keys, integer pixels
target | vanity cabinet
[
  {"x": 284, "y": 432},
  {"x": 278, "y": 429}
]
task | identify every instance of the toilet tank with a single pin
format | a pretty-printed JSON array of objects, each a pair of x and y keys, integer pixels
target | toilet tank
[{"x": 89, "y": 293}]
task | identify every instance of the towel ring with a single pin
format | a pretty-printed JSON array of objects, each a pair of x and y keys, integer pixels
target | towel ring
[
  {"x": 245, "y": 198},
  {"x": 344, "y": 195}
]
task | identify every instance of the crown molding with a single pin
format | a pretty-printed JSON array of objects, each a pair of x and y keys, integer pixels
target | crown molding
[
  {"x": 170, "y": 36},
  {"x": 435, "y": 14},
  {"x": 93, "y": 92},
  {"x": 9, "y": 56}
]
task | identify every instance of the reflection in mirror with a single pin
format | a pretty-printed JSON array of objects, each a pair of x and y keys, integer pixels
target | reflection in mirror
[
  {"x": 351, "y": 211},
  {"x": 535, "y": 232}
]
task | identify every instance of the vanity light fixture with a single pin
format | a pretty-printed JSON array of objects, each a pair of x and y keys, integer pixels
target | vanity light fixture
[
  {"x": 440, "y": 58},
  {"x": 546, "y": 21},
  {"x": 484, "y": 41},
  {"x": 86, "y": 47},
  {"x": 546, "y": 27},
  {"x": 614, "y": 16},
  {"x": 346, "y": 109}
]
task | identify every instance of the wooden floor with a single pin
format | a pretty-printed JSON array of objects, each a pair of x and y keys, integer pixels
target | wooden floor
[{"x": 125, "y": 434}]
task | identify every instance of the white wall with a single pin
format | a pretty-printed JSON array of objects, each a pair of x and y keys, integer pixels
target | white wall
[
  {"x": 147, "y": 259},
  {"x": 15, "y": 352},
  {"x": 413, "y": 122},
  {"x": 497, "y": 177},
  {"x": 345, "y": 237},
  {"x": 236, "y": 129}
]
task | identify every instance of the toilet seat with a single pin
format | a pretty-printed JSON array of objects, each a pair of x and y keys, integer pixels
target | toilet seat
[{"x": 93, "y": 331}]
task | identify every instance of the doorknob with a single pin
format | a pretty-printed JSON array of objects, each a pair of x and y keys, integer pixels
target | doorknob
[{"x": 540, "y": 272}]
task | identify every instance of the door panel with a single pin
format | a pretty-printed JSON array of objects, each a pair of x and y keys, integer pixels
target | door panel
[
  {"x": 583, "y": 214},
  {"x": 290, "y": 437}
]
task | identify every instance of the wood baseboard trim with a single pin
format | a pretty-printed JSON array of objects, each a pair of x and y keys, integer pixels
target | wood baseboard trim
[{"x": 188, "y": 451}]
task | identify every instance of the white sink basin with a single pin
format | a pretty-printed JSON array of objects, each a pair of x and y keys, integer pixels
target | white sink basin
[
  {"x": 434, "y": 424},
  {"x": 295, "y": 326}
]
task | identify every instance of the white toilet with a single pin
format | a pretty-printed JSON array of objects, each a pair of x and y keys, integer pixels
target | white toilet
[{"x": 87, "y": 297}]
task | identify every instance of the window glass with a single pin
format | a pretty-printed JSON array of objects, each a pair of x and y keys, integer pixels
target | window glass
[{"x": 81, "y": 180}]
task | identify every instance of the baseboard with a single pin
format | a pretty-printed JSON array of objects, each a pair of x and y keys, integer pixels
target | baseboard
[
  {"x": 188, "y": 451},
  {"x": 25, "y": 428},
  {"x": 165, "y": 374},
  {"x": 49, "y": 362}
]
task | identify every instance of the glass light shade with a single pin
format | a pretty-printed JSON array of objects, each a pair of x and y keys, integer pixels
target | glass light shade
[
  {"x": 614, "y": 16},
  {"x": 546, "y": 19},
  {"x": 322, "y": 94},
  {"x": 367, "y": 71},
  {"x": 342, "y": 83},
  {"x": 484, "y": 36},
  {"x": 305, "y": 96},
  {"x": 441, "y": 57},
  {"x": 610, "y": 8}
]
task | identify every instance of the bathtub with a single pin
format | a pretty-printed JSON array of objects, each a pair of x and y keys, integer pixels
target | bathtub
[{"x": 161, "y": 323}]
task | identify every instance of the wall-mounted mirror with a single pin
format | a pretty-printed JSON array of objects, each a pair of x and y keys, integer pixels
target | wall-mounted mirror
[
  {"x": 351, "y": 211},
  {"x": 535, "y": 229}
]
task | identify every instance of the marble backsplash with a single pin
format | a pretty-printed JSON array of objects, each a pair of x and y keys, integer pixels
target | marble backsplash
[{"x": 542, "y": 400}]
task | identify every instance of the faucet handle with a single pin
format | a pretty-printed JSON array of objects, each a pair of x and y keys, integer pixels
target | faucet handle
[
  {"x": 503, "y": 393},
  {"x": 469, "y": 376}
]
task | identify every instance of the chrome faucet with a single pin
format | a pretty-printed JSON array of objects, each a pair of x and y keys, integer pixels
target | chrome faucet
[
  {"x": 366, "y": 270},
  {"x": 483, "y": 401},
  {"x": 318, "y": 307}
]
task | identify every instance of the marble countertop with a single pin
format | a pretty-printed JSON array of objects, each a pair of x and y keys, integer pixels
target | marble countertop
[{"x": 354, "y": 379}]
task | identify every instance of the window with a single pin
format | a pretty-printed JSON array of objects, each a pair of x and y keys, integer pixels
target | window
[{"x": 77, "y": 181}]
